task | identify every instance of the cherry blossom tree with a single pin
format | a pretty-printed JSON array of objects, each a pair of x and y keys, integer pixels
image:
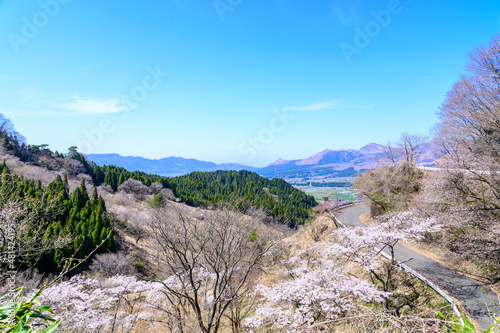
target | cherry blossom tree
[
  {"x": 7, "y": 128},
  {"x": 91, "y": 305},
  {"x": 319, "y": 289},
  {"x": 471, "y": 234},
  {"x": 313, "y": 292},
  {"x": 116, "y": 304},
  {"x": 364, "y": 245}
]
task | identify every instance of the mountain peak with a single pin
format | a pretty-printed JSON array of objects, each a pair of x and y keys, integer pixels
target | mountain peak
[
  {"x": 315, "y": 159},
  {"x": 279, "y": 161},
  {"x": 329, "y": 156},
  {"x": 371, "y": 148}
]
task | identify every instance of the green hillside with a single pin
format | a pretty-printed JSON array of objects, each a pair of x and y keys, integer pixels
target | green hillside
[{"x": 281, "y": 200}]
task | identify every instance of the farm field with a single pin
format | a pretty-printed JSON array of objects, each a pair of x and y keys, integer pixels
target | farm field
[
  {"x": 303, "y": 181},
  {"x": 320, "y": 193}
]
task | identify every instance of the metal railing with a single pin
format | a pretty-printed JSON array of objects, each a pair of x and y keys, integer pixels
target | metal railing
[{"x": 414, "y": 273}]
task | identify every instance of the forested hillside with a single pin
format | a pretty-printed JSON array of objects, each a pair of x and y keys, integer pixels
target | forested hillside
[
  {"x": 52, "y": 219},
  {"x": 284, "y": 202},
  {"x": 50, "y": 224},
  {"x": 203, "y": 189},
  {"x": 280, "y": 200}
]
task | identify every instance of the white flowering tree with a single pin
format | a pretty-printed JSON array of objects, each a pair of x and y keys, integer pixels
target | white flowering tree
[
  {"x": 320, "y": 290},
  {"x": 313, "y": 293},
  {"x": 364, "y": 245},
  {"x": 116, "y": 304},
  {"x": 113, "y": 304}
]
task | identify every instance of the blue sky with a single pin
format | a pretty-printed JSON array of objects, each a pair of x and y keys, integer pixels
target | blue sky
[{"x": 231, "y": 80}]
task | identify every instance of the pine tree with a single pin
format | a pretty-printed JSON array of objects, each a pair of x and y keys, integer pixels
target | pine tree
[
  {"x": 5, "y": 169},
  {"x": 97, "y": 175},
  {"x": 6, "y": 142},
  {"x": 72, "y": 151},
  {"x": 95, "y": 197},
  {"x": 65, "y": 182},
  {"x": 83, "y": 189},
  {"x": 110, "y": 179}
]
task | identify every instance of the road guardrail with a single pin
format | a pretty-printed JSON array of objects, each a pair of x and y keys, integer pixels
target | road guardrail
[{"x": 414, "y": 273}]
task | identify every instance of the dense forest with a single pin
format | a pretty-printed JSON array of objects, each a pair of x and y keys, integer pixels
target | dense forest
[
  {"x": 205, "y": 189},
  {"x": 284, "y": 202},
  {"x": 55, "y": 224}
]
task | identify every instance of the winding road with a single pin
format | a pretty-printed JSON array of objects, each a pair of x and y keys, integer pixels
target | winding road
[{"x": 472, "y": 295}]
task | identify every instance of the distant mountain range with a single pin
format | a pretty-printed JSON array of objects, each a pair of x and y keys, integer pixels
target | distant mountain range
[
  {"x": 339, "y": 163},
  {"x": 342, "y": 163},
  {"x": 169, "y": 166}
]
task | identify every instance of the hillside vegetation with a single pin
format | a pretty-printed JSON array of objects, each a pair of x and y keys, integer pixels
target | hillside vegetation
[
  {"x": 463, "y": 194},
  {"x": 64, "y": 220},
  {"x": 224, "y": 266},
  {"x": 279, "y": 199},
  {"x": 153, "y": 263}
]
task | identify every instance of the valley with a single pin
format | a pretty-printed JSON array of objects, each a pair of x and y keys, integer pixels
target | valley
[
  {"x": 333, "y": 168},
  {"x": 235, "y": 166}
]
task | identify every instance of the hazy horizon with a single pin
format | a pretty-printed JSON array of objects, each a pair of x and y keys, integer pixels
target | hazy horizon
[
  {"x": 240, "y": 81},
  {"x": 251, "y": 165}
]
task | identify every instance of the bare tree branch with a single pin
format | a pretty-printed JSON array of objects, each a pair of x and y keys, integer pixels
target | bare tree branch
[{"x": 212, "y": 262}]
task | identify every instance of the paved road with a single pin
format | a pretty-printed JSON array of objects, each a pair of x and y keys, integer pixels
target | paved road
[{"x": 468, "y": 292}]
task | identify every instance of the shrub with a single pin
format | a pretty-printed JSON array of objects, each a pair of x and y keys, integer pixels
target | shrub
[
  {"x": 110, "y": 264},
  {"x": 157, "y": 201},
  {"x": 135, "y": 187}
]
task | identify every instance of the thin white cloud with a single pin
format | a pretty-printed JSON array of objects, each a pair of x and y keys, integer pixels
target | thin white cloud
[
  {"x": 94, "y": 106},
  {"x": 333, "y": 104},
  {"x": 34, "y": 102},
  {"x": 328, "y": 105}
]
